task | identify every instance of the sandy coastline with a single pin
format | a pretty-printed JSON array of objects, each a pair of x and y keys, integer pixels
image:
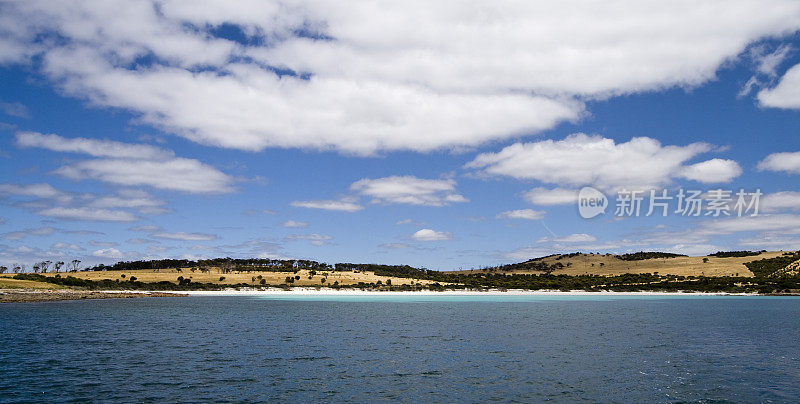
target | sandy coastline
[
  {"x": 53, "y": 295},
  {"x": 511, "y": 292},
  {"x": 39, "y": 295}
]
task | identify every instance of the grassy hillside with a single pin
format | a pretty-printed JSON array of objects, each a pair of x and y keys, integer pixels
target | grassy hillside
[
  {"x": 216, "y": 276},
  {"x": 638, "y": 263},
  {"x": 763, "y": 272}
]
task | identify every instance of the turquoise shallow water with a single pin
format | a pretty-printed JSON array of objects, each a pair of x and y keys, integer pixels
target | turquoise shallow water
[{"x": 403, "y": 348}]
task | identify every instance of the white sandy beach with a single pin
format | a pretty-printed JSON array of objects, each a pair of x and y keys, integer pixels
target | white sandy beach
[{"x": 357, "y": 292}]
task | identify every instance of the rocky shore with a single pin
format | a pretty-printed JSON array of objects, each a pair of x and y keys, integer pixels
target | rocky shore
[{"x": 44, "y": 295}]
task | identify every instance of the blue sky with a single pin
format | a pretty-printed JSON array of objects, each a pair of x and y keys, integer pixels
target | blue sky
[{"x": 448, "y": 136}]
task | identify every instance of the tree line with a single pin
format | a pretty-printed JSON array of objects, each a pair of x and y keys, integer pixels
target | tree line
[{"x": 43, "y": 267}]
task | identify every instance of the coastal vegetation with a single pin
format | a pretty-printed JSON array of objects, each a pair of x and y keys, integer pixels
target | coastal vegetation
[
  {"x": 647, "y": 255},
  {"x": 642, "y": 271},
  {"x": 770, "y": 267},
  {"x": 723, "y": 254}
]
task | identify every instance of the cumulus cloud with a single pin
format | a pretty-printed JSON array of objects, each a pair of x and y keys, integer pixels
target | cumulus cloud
[
  {"x": 16, "y": 109},
  {"x": 52, "y": 202},
  {"x": 572, "y": 238},
  {"x": 179, "y": 174},
  {"x": 779, "y": 223},
  {"x": 138, "y": 240},
  {"x": 253, "y": 212},
  {"x": 87, "y": 213},
  {"x": 766, "y": 64},
  {"x": 21, "y": 234},
  {"x": 581, "y": 159},
  {"x": 551, "y": 197},
  {"x": 131, "y": 164},
  {"x": 294, "y": 224},
  {"x": 92, "y": 147},
  {"x": 431, "y": 235},
  {"x": 132, "y": 199},
  {"x": 786, "y": 94},
  {"x": 103, "y": 243},
  {"x": 65, "y": 246},
  {"x": 315, "y": 239},
  {"x": 528, "y": 214},
  {"x": 185, "y": 236},
  {"x": 400, "y": 79},
  {"x": 409, "y": 190},
  {"x": 44, "y": 191},
  {"x": 788, "y": 162},
  {"x": 712, "y": 171},
  {"x": 786, "y": 200},
  {"x": 771, "y": 242},
  {"x": 112, "y": 253},
  {"x": 341, "y": 205},
  {"x": 147, "y": 228}
]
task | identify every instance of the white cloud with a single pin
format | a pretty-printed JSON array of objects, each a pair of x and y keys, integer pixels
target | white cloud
[
  {"x": 783, "y": 224},
  {"x": 156, "y": 249},
  {"x": 178, "y": 174},
  {"x": 767, "y": 62},
  {"x": 329, "y": 205},
  {"x": 403, "y": 221},
  {"x": 92, "y": 147},
  {"x": 784, "y": 95},
  {"x": 528, "y": 214},
  {"x": 44, "y": 191},
  {"x": 788, "y": 162},
  {"x": 766, "y": 66},
  {"x": 253, "y": 212},
  {"x": 146, "y": 228},
  {"x": 53, "y": 202},
  {"x": 65, "y": 246},
  {"x": 581, "y": 159},
  {"x": 138, "y": 240},
  {"x": 103, "y": 243},
  {"x": 87, "y": 213},
  {"x": 132, "y": 164},
  {"x": 572, "y": 238},
  {"x": 185, "y": 236},
  {"x": 771, "y": 242},
  {"x": 409, "y": 190},
  {"x": 712, "y": 171},
  {"x": 550, "y": 197},
  {"x": 431, "y": 235},
  {"x": 112, "y": 253},
  {"x": 133, "y": 199},
  {"x": 401, "y": 78},
  {"x": 315, "y": 239},
  {"x": 14, "y": 109},
  {"x": 692, "y": 250},
  {"x": 294, "y": 224},
  {"x": 21, "y": 234},
  {"x": 786, "y": 200}
]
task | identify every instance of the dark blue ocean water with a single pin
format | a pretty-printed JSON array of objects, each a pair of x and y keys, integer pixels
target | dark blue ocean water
[{"x": 410, "y": 349}]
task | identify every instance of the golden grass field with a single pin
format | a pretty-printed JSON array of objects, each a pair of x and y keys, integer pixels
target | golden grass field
[
  {"x": 582, "y": 264},
  {"x": 236, "y": 277},
  {"x": 7, "y": 283},
  {"x": 599, "y": 264}
]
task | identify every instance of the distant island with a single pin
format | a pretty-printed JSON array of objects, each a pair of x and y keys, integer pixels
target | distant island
[{"x": 759, "y": 272}]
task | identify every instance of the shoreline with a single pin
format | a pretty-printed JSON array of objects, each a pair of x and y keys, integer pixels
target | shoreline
[
  {"x": 491, "y": 292},
  {"x": 55, "y": 295},
  {"x": 60, "y": 295}
]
